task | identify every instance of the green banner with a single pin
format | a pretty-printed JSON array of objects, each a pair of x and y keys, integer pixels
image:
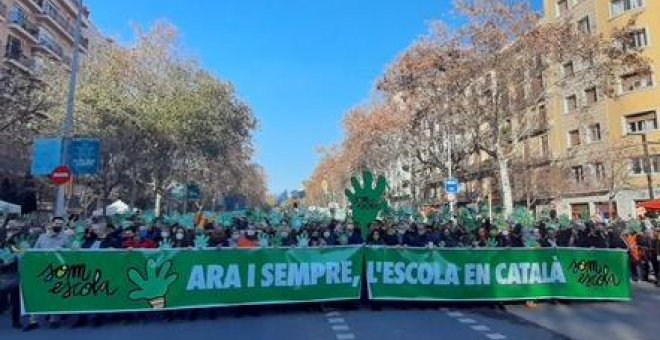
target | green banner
[
  {"x": 497, "y": 274},
  {"x": 119, "y": 281}
]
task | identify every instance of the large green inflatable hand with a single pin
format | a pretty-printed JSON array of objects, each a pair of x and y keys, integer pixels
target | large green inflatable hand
[{"x": 366, "y": 200}]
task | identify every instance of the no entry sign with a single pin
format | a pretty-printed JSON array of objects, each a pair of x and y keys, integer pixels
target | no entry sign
[{"x": 61, "y": 175}]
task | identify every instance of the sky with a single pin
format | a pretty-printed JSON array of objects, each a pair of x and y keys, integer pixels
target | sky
[{"x": 300, "y": 64}]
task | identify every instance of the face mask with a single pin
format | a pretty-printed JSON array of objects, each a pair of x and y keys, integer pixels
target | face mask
[
  {"x": 376, "y": 237},
  {"x": 179, "y": 236},
  {"x": 143, "y": 228},
  {"x": 164, "y": 234},
  {"x": 250, "y": 233},
  {"x": 326, "y": 234},
  {"x": 505, "y": 233}
]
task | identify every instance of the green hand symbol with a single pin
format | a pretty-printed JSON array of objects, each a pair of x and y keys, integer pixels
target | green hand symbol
[
  {"x": 303, "y": 240},
  {"x": 264, "y": 240},
  {"x": 367, "y": 201},
  {"x": 492, "y": 242},
  {"x": 165, "y": 244},
  {"x": 6, "y": 256},
  {"x": 342, "y": 239},
  {"x": 155, "y": 285},
  {"x": 201, "y": 241}
]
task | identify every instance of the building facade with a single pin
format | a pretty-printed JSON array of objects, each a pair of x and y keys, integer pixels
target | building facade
[
  {"x": 603, "y": 138},
  {"x": 31, "y": 32}
]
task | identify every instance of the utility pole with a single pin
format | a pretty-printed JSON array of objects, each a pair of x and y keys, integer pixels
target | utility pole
[
  {"x": 449, "y": 173},
  {"x": 67, "y": 131},
  {"x": 647, "y": 167}
]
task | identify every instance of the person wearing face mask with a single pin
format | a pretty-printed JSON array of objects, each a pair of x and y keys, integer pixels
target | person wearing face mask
[
  {"x": 354, "y": 235},
  {"x": 288, "y": 239},
  {"x": 375, "y": 239},
  {"x": 249, "y": 239},
  {"x": 54, "y": 238},
  {"x": 390, "y": 238},
  {"x": 327, "y": 239},
  {"x": 9, "y": 287},
  {"x": 180, "y": 238},
  {"x": 235, "y": 237}
]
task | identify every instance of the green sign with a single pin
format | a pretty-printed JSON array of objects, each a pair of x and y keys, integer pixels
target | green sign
[
  {"x": 497, "y": 274},
  {"x": 366, "y": 200},
  {"x": 118, "y": 281}
]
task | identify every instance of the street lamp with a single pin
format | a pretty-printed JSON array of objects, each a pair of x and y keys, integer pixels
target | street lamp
[{"x": 67, "y": 131}]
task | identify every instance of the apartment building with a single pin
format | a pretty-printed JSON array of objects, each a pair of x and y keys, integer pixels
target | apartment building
[
  {"x": 592, "y": 131},
  {"x": 31, "y": 32}
]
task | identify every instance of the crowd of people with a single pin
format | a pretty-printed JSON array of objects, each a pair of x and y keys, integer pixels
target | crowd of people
[{"x": 100, "y": 233}]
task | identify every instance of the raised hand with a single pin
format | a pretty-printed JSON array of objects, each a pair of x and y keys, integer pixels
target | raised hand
[
  {"x": 264, "y": 240},
  {"x": 303, "y": 240},
  {"x": 366, "y": 200},
  {"x": 342, "y": 238},
  {"x": 201, "y": 241},
  {"x": 165, "y": 244}
]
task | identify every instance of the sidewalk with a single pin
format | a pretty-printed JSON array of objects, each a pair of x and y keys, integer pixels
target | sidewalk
[{"x": 639, "y": 319}]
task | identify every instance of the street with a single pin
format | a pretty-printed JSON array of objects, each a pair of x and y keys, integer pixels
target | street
[
  {"x": 459, "y": 323},
  {"x": 580, "y": 321}
]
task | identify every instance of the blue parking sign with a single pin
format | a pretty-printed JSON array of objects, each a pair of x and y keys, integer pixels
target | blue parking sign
[{"x": 452, "y": 186}]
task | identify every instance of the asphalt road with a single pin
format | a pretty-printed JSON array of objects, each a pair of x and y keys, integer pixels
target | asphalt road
[
  {"x": 638, "y": 320},
  {"x": 335, "y": 324}
]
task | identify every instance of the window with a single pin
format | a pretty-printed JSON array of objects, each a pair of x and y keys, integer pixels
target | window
[
  {"x": 570, "y": 104},
  {"x": 637, "y": 166},
  {"x": 14, "y": 48},
  {"x": 594, "y": 133},
  {"x": 591, "y": 96},
  {"x": 578, "y": 174},
  {"x": 574, "y": 138},
  {"x": 584, "y": 25},
  {"x": 599, "y": 170},
  {"x": 569, "y": 69},
  {"x": 637, "y": 39},
  {"x": 636, "y": 81},
  {"x": 562, "y": 7},
  {"x": 545, "y": 145},
  {"x": 18, "y": 15},
  {"x": 642, "y": 122},
  {"x": 620, "y": 6}
]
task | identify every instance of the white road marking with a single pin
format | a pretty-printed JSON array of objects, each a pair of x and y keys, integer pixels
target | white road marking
[
  {"x": 481, "y": 328},
  {"x": 346, "y": 336},
  {"x": 332, "y": 314},
  {"x": 341, "y": 328},
  {"x": 495, "y": 336},
  {"x": 336, "y": 320},
  {"x": 455, "y": 314},
  {"x": 467, "y": 320}
]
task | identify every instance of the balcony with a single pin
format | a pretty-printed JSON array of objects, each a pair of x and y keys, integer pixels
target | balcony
[
  {"x": 53, "y": 50},
  {"x": 57, "y": 21},
  {"x": 24, "y": 28},
  {"x": 19, "y": 60}
]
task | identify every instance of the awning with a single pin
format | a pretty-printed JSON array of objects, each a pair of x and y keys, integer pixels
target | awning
[{"x": 651, "y": 205}]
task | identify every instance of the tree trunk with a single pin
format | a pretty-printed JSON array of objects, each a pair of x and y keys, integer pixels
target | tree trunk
[{"x": 505, "y": 183}]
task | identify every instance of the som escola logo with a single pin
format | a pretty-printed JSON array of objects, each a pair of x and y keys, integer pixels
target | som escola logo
[{"x": 75, "y": 280}]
